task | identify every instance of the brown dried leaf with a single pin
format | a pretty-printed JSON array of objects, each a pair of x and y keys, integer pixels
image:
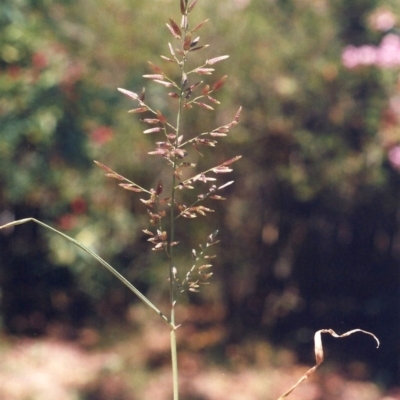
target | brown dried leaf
[{"x": 319, "y": 353}]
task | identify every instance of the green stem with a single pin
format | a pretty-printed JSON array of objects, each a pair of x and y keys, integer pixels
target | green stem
[{"x": 174, "y": 353}]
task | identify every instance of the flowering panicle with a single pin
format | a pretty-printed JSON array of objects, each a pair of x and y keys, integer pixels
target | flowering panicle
[{"x": 191, "y": 89}]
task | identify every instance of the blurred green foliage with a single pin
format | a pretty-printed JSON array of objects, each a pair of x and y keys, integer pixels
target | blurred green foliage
[{"x": 315, "y": 177}]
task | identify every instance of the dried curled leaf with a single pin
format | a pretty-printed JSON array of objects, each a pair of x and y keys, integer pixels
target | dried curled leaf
[{"x": 319, "y": 353}]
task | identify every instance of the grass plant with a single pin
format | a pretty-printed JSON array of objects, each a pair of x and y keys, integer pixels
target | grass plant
[
  {"x": 187, "y": 89},
  {"x": 189, "y": 192}
]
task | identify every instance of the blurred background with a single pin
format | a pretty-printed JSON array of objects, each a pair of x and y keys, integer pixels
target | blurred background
[{"x": 310, "y": 233}]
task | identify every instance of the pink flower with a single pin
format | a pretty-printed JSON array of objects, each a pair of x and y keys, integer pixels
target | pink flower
[
  {"x": 394, "y": 156},
  {"x": 386, "y": 55},
  {"x": 382, "y": 20},
  {"x": 353, "y": 57},
  {"x": 388, "y": 52}
]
